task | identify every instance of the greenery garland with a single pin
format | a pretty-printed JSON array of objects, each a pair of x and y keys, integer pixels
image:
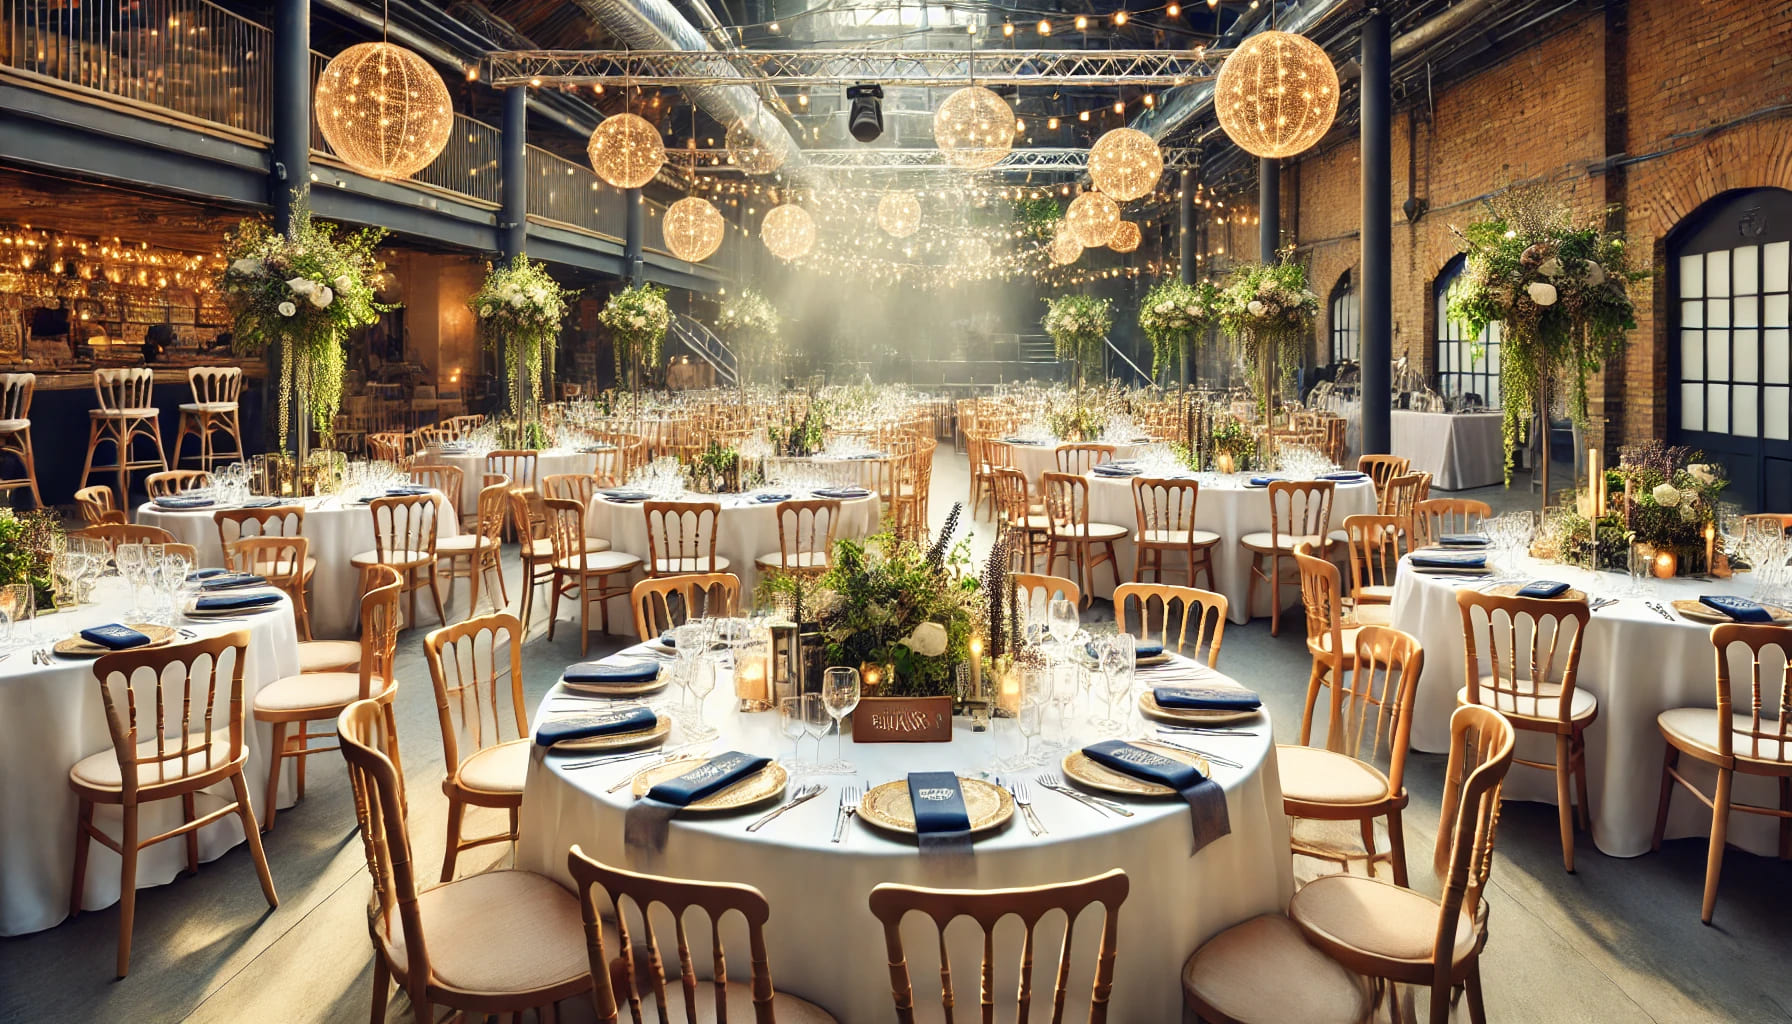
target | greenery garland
[
  {"x": 752, "y": 325},
  {"x": 637, "y": 319},
  {"x": 1078, "y": 325},
  {"x": 518, "y": 312},
  {"x": 1267, "y": 311},
  {"x": 1172, "y": 314},
  {"x": 1038, "y": 217},
  {"x": 1561, "y": 293}
]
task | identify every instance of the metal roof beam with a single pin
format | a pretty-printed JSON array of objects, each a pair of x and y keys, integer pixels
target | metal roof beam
[{"x": 924, "y": 68}]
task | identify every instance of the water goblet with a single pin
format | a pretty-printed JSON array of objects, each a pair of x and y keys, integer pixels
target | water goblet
[
  {"x": 15, "y": 605},
  {"x": 791, "y": 725},
  {"x": 815, "y": 722},
  {"x": 130, "y": 567},
  {"x": 1118, "y": 657},
  {"x": 1030, "y": 717},
  {"x": 1062, "y": 620},
  {"x": 840, "y": 690},
  {"x": 702, "y": 684}
]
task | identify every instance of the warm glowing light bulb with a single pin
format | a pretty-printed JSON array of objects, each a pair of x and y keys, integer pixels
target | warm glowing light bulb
[
  {"x": 1119, "y": 106},
  {"x": 1119, "y": 17},
  {"x": 1174, "y": 10},
  {"x": 1082, "y": 115},
  {"x": 1052, "y": 123},
  {"x": 1045, "y": 27},
  {"x": 1081, "y": 23},
  {"x": 774, "y": 27},
  {"x": 1008, "y": 28}
]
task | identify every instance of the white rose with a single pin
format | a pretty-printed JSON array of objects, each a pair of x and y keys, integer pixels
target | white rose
[
  {"x": 1551, "y": 267},
  {"x": 485, "y": 311},
  {"x": 518, "y": 300},
  {"x": 928, "y": 640},
  {"x": 1255, "y": 307},
  {"x": 1542, "y": 293},
  {"x": 1666, "y": 495},
  {"x": 637, "y": 321},
  {"x": 322, "y": 297},
  {"x": 247, "y": 267},
  {"x": 1595, "y": 274},
  {"x": 301, "y": 286},
  {"x": 1703, "y": 473},
  {"x": 1191, "y": 311},
  {"x": 287, "y": 309},
  {"x": 1689, "y": 513},
  {"x": 343, "y": 283}
]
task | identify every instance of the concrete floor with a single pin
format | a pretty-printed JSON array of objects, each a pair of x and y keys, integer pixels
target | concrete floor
[{"x": 1619, "y": 940}]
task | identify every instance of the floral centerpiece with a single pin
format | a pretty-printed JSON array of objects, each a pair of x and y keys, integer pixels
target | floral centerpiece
[
  {"x": 1079, "y": 325},
  {"x": 716, "y": 470},
  {"x": 1267, "y": 312},
  {"x": 1667, "y": 500},
  {"x": 1069, "y": 418},
  {"x": 27, "y": 542},
  {"x": 800, "y": 437},
  {"x": 1560, "y": 292},
  {"x": 637, "y": 319},
  {"x": 303, "y": 291},
  {"x": 749, "y": 321},
  {"x": 1172, "y": 314},
  {"x": 1234, "y": 446},
  {"x": 519, "y": 310}
]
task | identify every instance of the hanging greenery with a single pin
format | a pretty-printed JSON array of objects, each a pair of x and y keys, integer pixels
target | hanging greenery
[
  {"x": 518, "y": 311},
  {"x": 751, "y": 323},
  {"x": 1173, "y": 315},
  {"x": 1079, "y": 325},
  {"x": 1267, "y": 312},
  {"x": 304, "y": 290},
  {"x": 637, "y": 318},
  {"x": 1038, "y": 217},
  {"x": 1561, "y": 293}
]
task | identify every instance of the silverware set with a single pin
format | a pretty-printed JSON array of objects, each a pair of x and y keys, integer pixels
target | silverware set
[
  {"x": 849, "y": 805},
  {"x": 1601, "y": 602},
  {"x": 803, "y": 795},
  {"x": 668, "y": 759},
  {"x": 1205, "y": 730},
  {"x": 1214, "y": 758},
  {"x": 1661, "y": 611},
  {"x": 1024, "y": 800},
  {"x": 1056, "y": 784},
  {"x": 42, "y": 656}
]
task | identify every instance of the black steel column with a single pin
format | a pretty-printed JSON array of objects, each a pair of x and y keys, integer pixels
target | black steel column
[
  {"x": 513, "y": 171},
  {"x": 290, "y": 167},
  {"x": 634, "y": 228},
  {"x": 1187, "y": 248},
  {"x": 1269, "y": 208},
  {"x": 1376, "y": 292}
]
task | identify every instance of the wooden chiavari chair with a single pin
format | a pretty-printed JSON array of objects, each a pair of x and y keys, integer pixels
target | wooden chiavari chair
[
  {"x": 681, "y": 537},
  {"x": 518, "y": 465},
  {"x": 805, "y": 537},
  {"x": 176, "y": 481},
  {"x": 1750, "y": 737},
  {"x": 477, "y": 669},
  {"x": 1383, "y": 469},
  {"x": 1434, "y": 518},
  {"x": 16, "y": 390},
  {"x": 1078, "y": 459},
  {"x": 1299, "y": 511},
  {"x": 478, "y": 554},
  {"x": 274, "y": 521},
  {"x": 663, "y": 602},
  {"x": 578, "y": 568},
  {"x": 982, "y": 479},
  {"x": 99, "y": 505},
  {"x": 1036, "y": 593},
  {"x": 1531, "y": 681},
  {"x": 294, "y": 702},
  {"x": 217, "y": 392},
  {"x": 1175, "y": 610},
  {"x": 1015, "y": 514},
  {"x": 619, "y": 974},
  {"x": 1375, "y": 545},
  {"x": 386, "y": 446},
  {"x": 172, "y": 736},
  {"x": 1164, "y": 512},
  {"x": 535, "y": 549},
  {"x": 115, "y": 534},
  {"x": 446, "y": 479},
  {"x": 1403, "y": 494},
  {"x": 281, "y": 561},
  {"x": 1331, "y": 638},
  {"x": 1087, "y": 545},
  {"x": 891, "y": 903},
  {"x": 615, "y": 463},
  {"x": 404, "y": 539},
  {"x": 577, "y": 487}
]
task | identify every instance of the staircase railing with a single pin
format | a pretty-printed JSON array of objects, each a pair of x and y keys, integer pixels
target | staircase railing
[
  {"x": 707, "y": 347},
  {"x": 1113, "y": 353}
]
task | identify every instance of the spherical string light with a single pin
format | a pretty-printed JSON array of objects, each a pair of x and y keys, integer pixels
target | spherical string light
[
  {"x": 788, "y": 231},
  {"x": 626, "y": 151},
  {"x": 1125, "y": 164},
  {"x": 974, "y": 128},
  {"x": 750, "y": 153},
  {"x": 1126, "y": 237},
  {"x": 1092, "y": 218},
  {"x": 1276, "y": 94},
  {"x": 899, "y": 214},
  {"x": 693, "y": 229},
  {"x": 973, "y": 252},
  {"x": 1065, "y": 248},
  {"x": 383, "y": 110}
]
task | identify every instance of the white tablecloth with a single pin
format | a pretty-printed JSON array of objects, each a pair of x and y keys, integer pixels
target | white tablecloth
[
  {"x": 1036, "y": 460},
  {"x": 1637, "y": 664},
  {"x": 337, "y": 531},
  {"x": 1226, "y": 507},
  {"x": 1459, "y": 450},
  {"x": 54, "y": 716},
  {"x": 823, "y": 941},
  {"x": 548, "y": 462}
]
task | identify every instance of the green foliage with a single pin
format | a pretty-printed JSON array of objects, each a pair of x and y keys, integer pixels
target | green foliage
[
  {"x": 518, "y": 311},
  {"x": 1267, "y": 311},
  {"x": 1230, "y": 437},
  {"x": 1172, "y": 315},
  {"x": 800, "y": 437},
  {"x": 1038, "y": 217},
  {"x": 1079, "y": 325},
  {"x": 637, "y": 319},
  {"x": 751, "y": 323},
  {"x": 26, "y": 543}
]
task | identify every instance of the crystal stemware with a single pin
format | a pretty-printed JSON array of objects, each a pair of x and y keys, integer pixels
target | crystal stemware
[{"x": 840, "y": 689}]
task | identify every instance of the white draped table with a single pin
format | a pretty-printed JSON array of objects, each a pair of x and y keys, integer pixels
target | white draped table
[
  {"x": 1036, "y": 460},
  {"x": 1637, "y": 664},
  {"x": 826, "y": 946},
  {"x": 548, "y": 462},
  {"x": 1226, "y": 506},
  {"x": 54, "y": 717},
  {"x": 337, "y": 530},
  {"x": 1460, "y": 450}
]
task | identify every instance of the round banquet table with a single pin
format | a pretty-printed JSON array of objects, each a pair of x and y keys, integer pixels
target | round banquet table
[
  {"x": 1226, "y": 506},
  {"x": 548, "y": 462},
  {"x": 337, "y": 530},
  {"x": 824, "y": 943},
  {"x": 1036, "y": 460},
  {"x": 746, "y": 529},
  {"x": 55, "y": 717},
  {"x": 1637, "y": 663}
]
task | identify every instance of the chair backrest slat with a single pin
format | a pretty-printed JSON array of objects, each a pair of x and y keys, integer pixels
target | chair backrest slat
[
  {"x": 476, "y": 667},
  {"x": 711, "y": 594},
  {"x": 1522, "y": 639},
  {"x": 681, "y": 535},
  {"x": 186, "y": 747},
  {"x": 1762, "y": 730},
  {"x": 1175, "y": 610}
]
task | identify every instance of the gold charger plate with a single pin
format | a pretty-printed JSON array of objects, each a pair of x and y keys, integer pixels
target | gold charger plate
[
  {"x": 621, "y": 740},
  {"x": 887, "y": 807},
  {"x": 1081, "y": 768},
  {"x": 1154, "y": 659},
  {"x": 1699, "y": 613},
  {"x": 1148, "y": 707},
  {"x": 1512, "y": 589},
  {"x": 763, "y": 786},
  {"x": 618, "y": 689},
  {"x": 75, "y": 647}
]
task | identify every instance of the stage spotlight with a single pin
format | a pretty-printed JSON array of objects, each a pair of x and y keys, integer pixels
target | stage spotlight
[{"x": 865, "y": 119}]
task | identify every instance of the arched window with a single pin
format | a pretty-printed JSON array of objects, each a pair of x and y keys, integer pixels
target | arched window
[
  {"x": 1729, "y": 268},
  {"x": 1466, "y": 364},
  {"x": 1346, "y": 322}
]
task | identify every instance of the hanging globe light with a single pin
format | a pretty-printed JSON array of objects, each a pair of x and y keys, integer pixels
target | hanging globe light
[
  {"x": 626, "y": 151},
  {"x": 788, "y": 231},
  {"x": 750, "y": 153},
  {"x": 693, "y": 229},
  {"x": 1126, "y": 237},
  {"x": 899, "y": 214},
  {"x": 974, "y": 128},
  {"x": 1125, "y": 164},
  {"x": 1065, "y": 249},
  {"x": 383, "y": 110},
  {"x": 1276, "y": 94},
  {"x": 973, "y": 253},
  {"x": 1092, "y": 218}
]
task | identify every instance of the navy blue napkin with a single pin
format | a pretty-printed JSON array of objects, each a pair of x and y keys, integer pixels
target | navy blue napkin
[
  {"x": 626, "y": 495},
  {"x": 181, "y": 503},
  {"x": 1206, "y": 800},
  {"x": 232, "y": 580},
  {"x": 1739, "y": 609},
  {"x": 867, "y": 455},
  {"x": 1345, "y": 475},
  {"x": 224, "y": 602},
  {"x": 1205, "y": 698},
  {"x": 597, "y": 723},
  {"x": 1448, "y": 560},
  {"x": 114, "y": 637},
  {"x": 261, "y": 503},
  {"x": 1140, "y": 649},
  {"x": 599, "y": 672},
  {"x": 842, "y": 492},
  {"x": 1019, "y": 440},
  {"x": 1263, "y": 481},
  {"x": 1463, "y": 540},
  {"x": 668, "y": 639},
  {"x": 205, "y": 574},
  {"x": 1108, "y": 469},
  {"x": 1542, "y": 588},
  {"x": 405, "y": 492},
  {"x": 771, "y": 499},
  {"x": 646, "y": 822},
  {"x": 942, "y": 825}
]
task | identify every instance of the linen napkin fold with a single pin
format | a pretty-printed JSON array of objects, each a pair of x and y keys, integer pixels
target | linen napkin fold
[
  {"x": 1344, "y": 475},
  {"x": 231, "y": 580},
  {"x": 771, "y": 499},
  {"x": 1463, "y": 540},
  {"x": 206, "y": 574},
  {"x": 942, "y": 825},
  {"x": 842, "y": 492},
  {"x": 114, "y": 637},
  {"x": 668, "y": 639},
  {"x": 626, "y": 495},
  {"x": 261, "y": 503},
  {"x": 1263, "y": 481},
  {"x": 1739, "y": 609},
  {"x": 646, "y": 822},
  {"x": 603, "y": 672},
  {"x": 222, "y": 602},
  {"x": 175, "y": 501},
  {"x": 1141, "y": 649},
  {"x": 1206, "y": 800},
  {"x": 1205, "y": 698},
  {"x": 1542, "y": 588},
  {"x": 1107, "y": 469},
  {"x": 584, "y": 726},
  {"x": 1448, "y": 560}
]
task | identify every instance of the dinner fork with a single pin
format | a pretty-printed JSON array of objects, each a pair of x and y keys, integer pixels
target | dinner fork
[
  {"x": 1025, "y": 799},
  {"x": 1215, "y": 758},
  {"x": 617, "y": 788},
  {"x": 803, "y": 795},
  {"x": 1056, "y": 784},
  {"x": 849, "y": 806}
]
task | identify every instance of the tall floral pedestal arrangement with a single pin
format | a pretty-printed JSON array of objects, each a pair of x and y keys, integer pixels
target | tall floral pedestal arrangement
[
  {"x": 1267, "y": 312},
  {"x": 1560, "y": 292},
  {"x": 519, "y": 310},
  {"x": 1079, "y": 325},
  {"x": 637, "y": 318},
  {"x": 751, "y": 324},
  {"x": 1173, "y": 316}
]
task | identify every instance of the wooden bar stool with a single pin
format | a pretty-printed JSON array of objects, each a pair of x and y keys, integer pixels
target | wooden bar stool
[
  {"x": 217, "y": 391},
  {"x": 125, "y": 414},
  {"x": 15, "y": 429}
]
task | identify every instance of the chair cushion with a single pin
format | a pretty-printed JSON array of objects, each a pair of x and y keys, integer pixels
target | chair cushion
[
  {"x": 13, "y": 426},
  {"x": 1265, "y": 970},
  {"x": 499, "y": 931},
  {"x": 1031, "y": 522},
  {"x": 208, "y": 407},
  {"x": 1536, "y": 703},
  {"x": 1322, "y": 644},
  {"x": 1317, "y": 776},
  {"x": 265, "y": 567},
  {"x": 798, "y": 560},
  {"x": 1265, "y": 541},
  {"x": 367, "y": 558},
  {"x": 787, "y": 1008},
  {"x": 1373, "y": 614},
  {"x": 1377, "y": 918},
  {"x": 328, "y": 655},
  {"x": 1696, "y": 729},
  {"x": 677, "y": 565},
  {"x": 600, "y": 561},
  {"x": 461, "y": 544},
  {"x": 1093, "y": 531},
  {"x": 1373, "y": 593},
  {"x": 1198, "y": 538},
  {"x": 123, "y": 414},
  {"x": 497, "y": 769},
  {"x": 319, "y": 691},
  {"x": 100, "y": 771}
]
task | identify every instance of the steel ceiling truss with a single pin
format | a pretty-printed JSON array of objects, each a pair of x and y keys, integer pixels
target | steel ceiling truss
[
  {"x": 940, "y": 68},
  {"x": 1042, "y": 158}
]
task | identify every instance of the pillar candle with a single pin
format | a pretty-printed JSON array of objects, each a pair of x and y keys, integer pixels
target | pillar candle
[{"x": 976, "y": 668}]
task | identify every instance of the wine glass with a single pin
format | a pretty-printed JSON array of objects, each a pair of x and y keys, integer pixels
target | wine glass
[
  {"x": 64, "y": 570},
  {"x": 702, "y": 683},
  {"x": 792, "y": 725},
  {"x": 1118, "y": 657},
  {"x": 815, "y": 722},
  {"x": 1061, "y": 621},
  {"x": 130, "y": 566},
  {"x": 1034, "y": 691},
  {"x": 840, "y": 694},
  {"x": 15, "y": 604}
]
